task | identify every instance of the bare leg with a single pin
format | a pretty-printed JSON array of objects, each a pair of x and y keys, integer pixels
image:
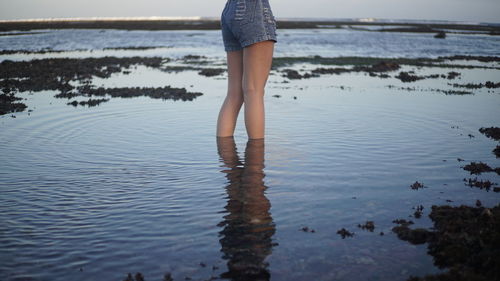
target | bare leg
[
  {"x": 257, "y": 60},
  {"x": 234, "y": 99}
]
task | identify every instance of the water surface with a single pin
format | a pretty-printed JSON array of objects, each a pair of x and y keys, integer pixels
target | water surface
[{"x": 143, "y": 185}]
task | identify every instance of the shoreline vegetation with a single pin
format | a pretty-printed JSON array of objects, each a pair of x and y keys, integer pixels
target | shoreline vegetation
[{"x": 214, "y": 24}]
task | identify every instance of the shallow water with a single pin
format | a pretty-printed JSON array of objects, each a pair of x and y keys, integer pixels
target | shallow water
[
  {"x": 141, "y": 185},
  {"x": 292, "y": 42}
]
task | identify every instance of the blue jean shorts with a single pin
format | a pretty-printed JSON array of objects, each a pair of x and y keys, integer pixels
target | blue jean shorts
[{"x": 246, "y": 22}]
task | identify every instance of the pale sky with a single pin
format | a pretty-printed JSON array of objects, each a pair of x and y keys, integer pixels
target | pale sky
[{"x": 456, "y": 10}]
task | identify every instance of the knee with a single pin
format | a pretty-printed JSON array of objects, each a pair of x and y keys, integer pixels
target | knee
[
  {"x": 250, "y": 92},
  {"x": 235, "y": 96}
]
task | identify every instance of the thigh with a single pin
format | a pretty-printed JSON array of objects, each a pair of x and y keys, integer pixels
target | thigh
[
  {"x": 257, "y": 60},
  {"x": 235, "y": 71}
]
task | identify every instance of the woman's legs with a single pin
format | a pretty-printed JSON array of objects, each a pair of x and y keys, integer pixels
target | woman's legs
[
  {"x": 257, "y": 60},
  {"x": 234, "y": 99},
  {"x": 248, "y": 71}
]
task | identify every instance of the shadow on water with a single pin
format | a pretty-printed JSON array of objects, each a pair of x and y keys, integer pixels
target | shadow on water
[{"x": 246, "y": 237}]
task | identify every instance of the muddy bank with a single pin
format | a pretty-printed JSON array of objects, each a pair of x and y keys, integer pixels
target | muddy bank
[
  {"x": 64, "y": 74},
  {"x": 465, "y": 240}
]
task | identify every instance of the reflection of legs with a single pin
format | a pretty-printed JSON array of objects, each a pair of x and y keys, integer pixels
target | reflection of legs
[
  {"x": 227, "y": 152},
  {"x": 234, "y": 99},
  {"x": 257, "y": 59},
  {"x": 256, "y": 208}
]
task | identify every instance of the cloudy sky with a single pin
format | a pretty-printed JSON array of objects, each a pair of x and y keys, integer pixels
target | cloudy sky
[{"x": 459, "y": 10}]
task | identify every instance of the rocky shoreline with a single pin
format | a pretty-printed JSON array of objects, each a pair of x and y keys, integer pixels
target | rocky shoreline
[{"x": 213, "y": 24}]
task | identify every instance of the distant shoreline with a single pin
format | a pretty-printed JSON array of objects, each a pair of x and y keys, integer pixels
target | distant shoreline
[{"x": 214, "y": 24}]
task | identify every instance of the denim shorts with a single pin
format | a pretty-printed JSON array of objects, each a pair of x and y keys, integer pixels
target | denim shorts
[{"x": 246, "y": 22}]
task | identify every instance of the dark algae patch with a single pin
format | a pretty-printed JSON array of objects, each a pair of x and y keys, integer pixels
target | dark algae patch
[
  {"x": 496, "y": 151},
  {"x": 55, "y": 74},
  {"x": 418, "y": 211},
  {"x": 481, "y": 184},
  {"x": 8, "y": 104},
  {"x": 491, "y": 132},
  {"x": 477, "y": 168},
  {"x": 209, "y": 72},
  {"x": 373, "y": 70},
  {"x": 164, "y": 93},
  {"x": 465, "y": 240},
  {"x": 440, "y": 62},
  {"x": 89, "y": 103},
  {"x": 60, "y": 74},
  {"x": 487, "y": 84}
]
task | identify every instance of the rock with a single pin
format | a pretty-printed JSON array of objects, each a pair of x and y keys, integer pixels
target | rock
[
  {"x": 440, "y": 35},
  {"x": 406, "y": 77},
  {"x": 416, "y": 185},
  {"x": 210, "y": 72},
  {"x": 344, "y": 233},
  {"x": 369, "y": 225},
  {"x": 167, "y": 277}
]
